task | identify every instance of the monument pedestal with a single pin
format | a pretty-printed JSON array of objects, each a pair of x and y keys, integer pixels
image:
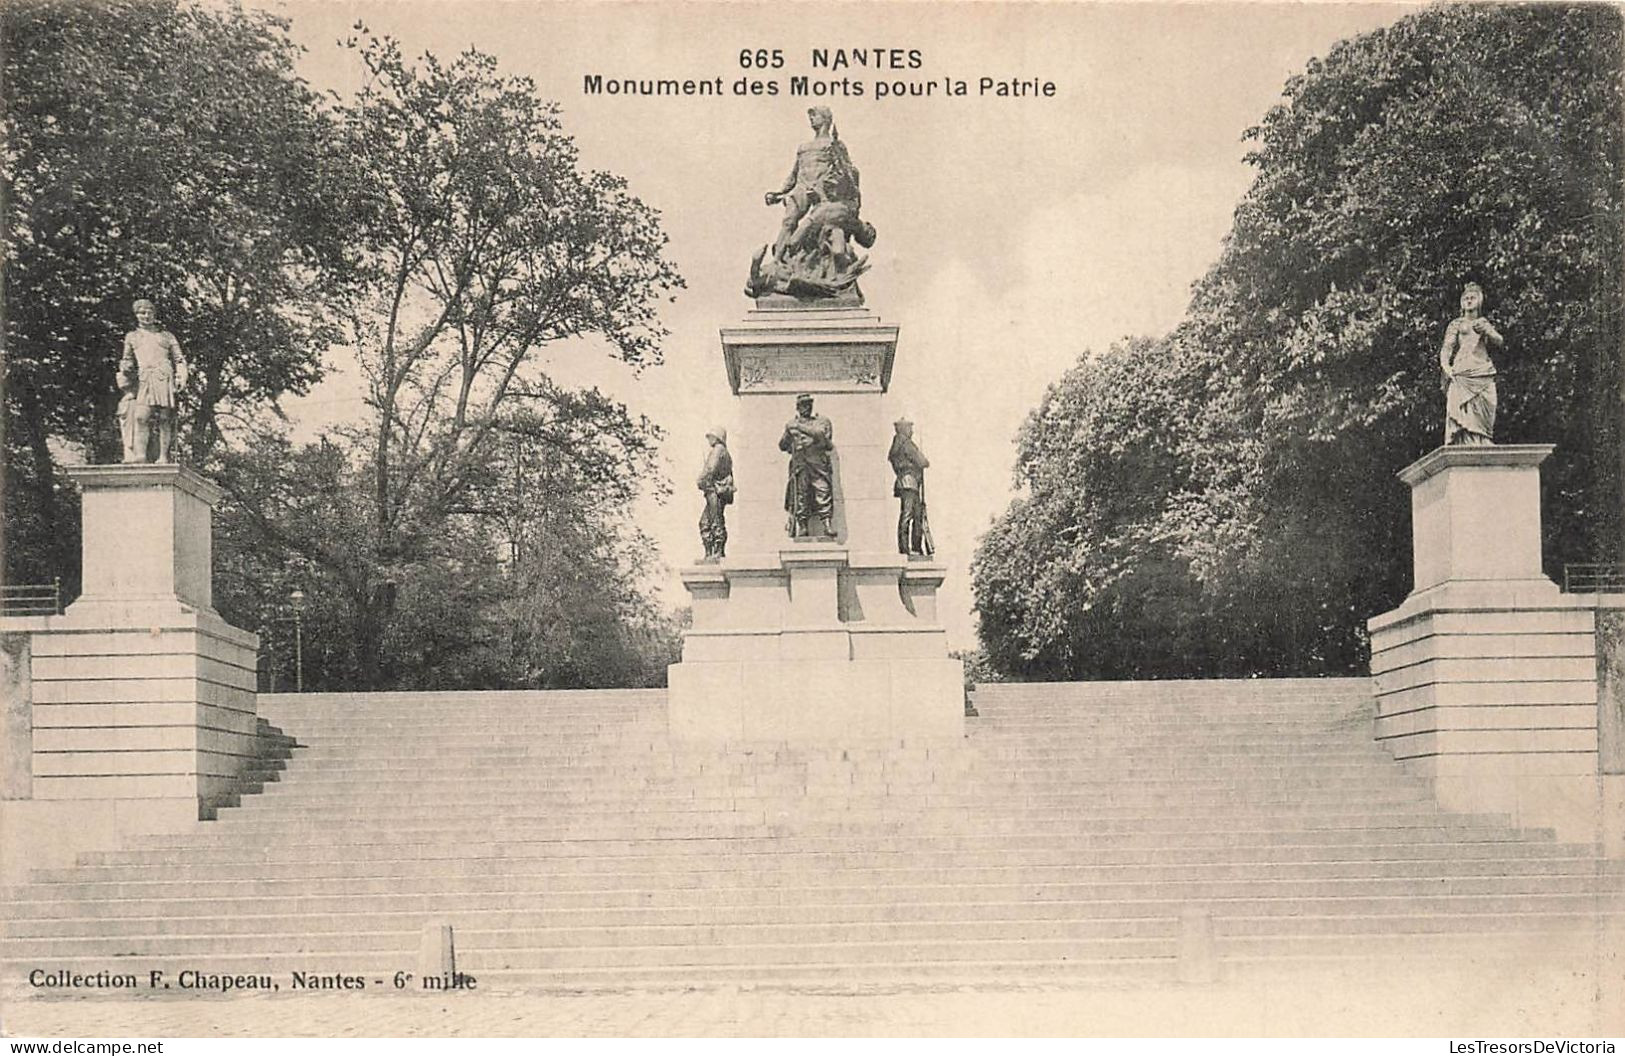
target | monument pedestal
[
  {"x": 790, "y": 652},
  {"x": 818, "y": 642},
  {"x": 1486, "y": 677},
  {"x": 139, "y": 700}
]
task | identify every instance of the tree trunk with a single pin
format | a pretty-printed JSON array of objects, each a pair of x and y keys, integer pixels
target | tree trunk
[
  {"x": 369, "y": 640},
  {"x": 45, "y": 488},
  {"x": 205, "y": 433},
  {"x": 374, "y": 609}
]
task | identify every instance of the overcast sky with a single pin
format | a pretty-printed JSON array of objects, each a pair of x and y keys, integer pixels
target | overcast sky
[{"x": 1014, "y": 233}]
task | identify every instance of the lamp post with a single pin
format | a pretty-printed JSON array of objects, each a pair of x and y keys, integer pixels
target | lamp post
[{"x": 298, "y": 599}]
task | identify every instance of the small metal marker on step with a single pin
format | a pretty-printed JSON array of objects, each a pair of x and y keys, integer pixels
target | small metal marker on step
[
  {"x": 436, "y": 956},
  {"x": 1198, "y": 959}
]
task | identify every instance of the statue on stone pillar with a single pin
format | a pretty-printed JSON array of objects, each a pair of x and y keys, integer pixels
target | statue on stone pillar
[
  {"x": 909, "y": 463},
  {"x": 1468, "y": 373},
  {"x": 150, "y": 373},
  {"x": 812, "y": 258},
  {"x": 717, "y": 485},
  {"x": 809, "y": 494}
]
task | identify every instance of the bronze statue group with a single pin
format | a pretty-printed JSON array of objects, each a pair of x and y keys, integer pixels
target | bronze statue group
[{"x": 809, "y": 491}]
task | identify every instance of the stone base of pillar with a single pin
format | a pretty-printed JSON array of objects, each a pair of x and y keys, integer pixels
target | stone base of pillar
[
  {"x": 159, "y": 712},
  {"x": 51, "y": 834},
  {"x": 815, "y": 648},
  {"x": 138, "y": 707},
  {"x": 1486, "y": 677}
]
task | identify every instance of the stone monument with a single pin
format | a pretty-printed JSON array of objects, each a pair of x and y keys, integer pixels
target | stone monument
[
  {"x": 1487, "y": 676},
  {"x": 139, "y": 699},
  {"x": 814, "y": 630}
]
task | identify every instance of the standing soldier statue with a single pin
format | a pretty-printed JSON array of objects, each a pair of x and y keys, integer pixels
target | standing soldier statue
[
  {"x": 151, "y": 372},
  {"x": 810, "y": 491},
  {"x": 909, "y": 463},
  {"x": 717, "y": 485},
  {"x": 1469, "y": 373}
]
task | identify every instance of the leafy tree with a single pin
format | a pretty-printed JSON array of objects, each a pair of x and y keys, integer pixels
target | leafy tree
[
  {"x": 536, "y": 581},
  {"x": 1464, "y": 142},
  {"x": 1068, "y": 581},
  {"x": 164, "y": 149},
  {"x": 487, "y": 245}
]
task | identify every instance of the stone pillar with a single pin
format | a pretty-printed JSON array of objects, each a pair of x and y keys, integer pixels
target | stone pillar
[
  {"x": 1475, "y": 516},
  {"x": 142, "y": 714},
  {"x": 148, "y": 540},
  {"x": 1611, "y": 724},
  {"x": 1486, "y": 676},
  {"x": 843, "y": 358},
  {"x": 802, "y": 641}
]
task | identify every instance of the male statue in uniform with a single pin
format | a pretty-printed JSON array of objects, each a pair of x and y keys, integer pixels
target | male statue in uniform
[
  {"x": 1469, "y": 373},
  {"x": 717, "y": 485},
  {"x": 810, "y": 491},
  {"x": 151, "y": 372},
  {"x": 909, "y": 463}
]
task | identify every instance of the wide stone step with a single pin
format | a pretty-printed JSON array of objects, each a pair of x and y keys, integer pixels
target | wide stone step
[
  {"x": 970, "y": 754},
  {"x": 454, "y": 864},
  {"x": 557, "y": 781},
  {"x": 316, "y": 787},
  {"x": 538, "y": 843},
  {"x": 366, "y": 814},
  {"x": 1081, "y": 839},
  {"x": 496, "y": 950},
  {"x": 258, "y": 830},
  {"x": 991, "y": 710},
  {"x": 461, "y": 732},
  {"x": 600, "y": 944},
  {"x": 947, "y": 796},
  {"x": 521, "y": 767},
  {"x": 379, "y": 915},
  {"x": 634, "y": 881}
]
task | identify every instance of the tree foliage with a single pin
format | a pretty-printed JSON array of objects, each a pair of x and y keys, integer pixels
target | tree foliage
[
  {"x": 439, "y": 226},
  {"x": 162, "y": 149},
  {"x": 486, "y": 247},
  {"x": 537, "y": 582},
  {"x": 1221, "y": 500}
]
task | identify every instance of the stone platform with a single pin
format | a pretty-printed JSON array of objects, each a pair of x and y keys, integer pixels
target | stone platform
[
  {"x": 133, "y": 712},
  {"x": 815, "y": 647},
  {"x": 1487, "y": 676}
]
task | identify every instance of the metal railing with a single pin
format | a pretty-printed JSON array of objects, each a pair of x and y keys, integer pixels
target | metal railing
[
  {"x": 1594, "y": 579},
  {"x": 31, "y": 599}
]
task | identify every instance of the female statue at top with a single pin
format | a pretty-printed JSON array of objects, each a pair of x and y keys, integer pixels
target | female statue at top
[
  {"x": 1469, "y": 373},
  {"x": 812, "y": 256}
]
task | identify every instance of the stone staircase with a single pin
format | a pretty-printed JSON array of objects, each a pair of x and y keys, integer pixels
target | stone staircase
[{"x": 570, "y": 844}]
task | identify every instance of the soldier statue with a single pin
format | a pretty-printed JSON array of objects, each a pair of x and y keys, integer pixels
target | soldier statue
[
  {"x": 909, "y": 463},
  {"x": 717, "y": 485},
  {"x": 809, "y": 494}
]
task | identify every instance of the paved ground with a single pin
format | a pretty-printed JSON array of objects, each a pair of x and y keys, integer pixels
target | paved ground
[{"x": 1466, "y": 1002}]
